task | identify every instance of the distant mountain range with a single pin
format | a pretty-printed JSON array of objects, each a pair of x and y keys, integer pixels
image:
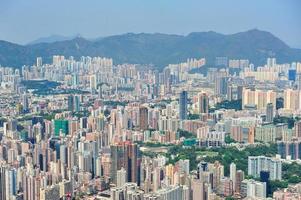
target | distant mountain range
[
  {"x": 52, "y": 38},
  {"x": 60, "y": 38},
  {"x": 157, "y": 49}
]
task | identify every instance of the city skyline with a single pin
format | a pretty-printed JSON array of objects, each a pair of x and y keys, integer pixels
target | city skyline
[
  {"x": 103, "y": 18},
  {"x": 150, "y": 100}
]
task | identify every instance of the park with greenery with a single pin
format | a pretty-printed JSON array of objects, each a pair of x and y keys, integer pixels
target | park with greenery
[
  {"x": 291, "y": 173},
  {"x": 235, "y": 104}
]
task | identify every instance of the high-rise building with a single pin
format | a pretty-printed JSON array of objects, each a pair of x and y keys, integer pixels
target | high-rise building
[
  {"x": 93, "y": 82},
  {"x": 264, "y": 177},
  {"x": 298, "y": 80},
  {"x": 256, "y": 164},
  {"x": 83, "y": 122},
  {"x": 290, "y": 149},
  {"x": 203, "y": 103},
  {"x": 100, "y": 91},
  {"x": 221, "y": 84},
  {"x": 258, "y": 98},
  {"x": 183, "y": 105},
  {"x": 50, "y": 192},
  {"x": 266, "y": 133},
  {"x": 240, "y": 176},
  {"x": 39, "y": 62},
  {"x": 217, "y": 170},
  {"x": 126, "y": 155},
  {"x": 233, "y": 174},
  {"x": 61, "y": 126},
  {"x": 168, "y": 193},
  {"x": 251, "y": 135},
  {"x": 25, "y": 102},
  {"x": 121, "y": 177},
  {"x": 292, "y": 74},
  {"x": 236, "y": 133},
  {"x": 11, "y": 178},
  {"x": 298, "y": 129},
  {"x": 291, "y": 99},
  {"x": 76, "y": 103},
  {"x": 271, "y": 62},
  {"x": 221, "y": 61},
  {"x": 253, "y": 189},
  {"x": 70, "y": 103},
  {"x": 143, "y": 118},
  {"x": 226, "y": 187},
  {"x": 3, "y": 182},
  {"x": 211, "y": 74},
  {"x": 200, "y": 190},
  {"x": 239, "y": 92},
  {"x": 75, "y": 80},
  {"x": 269, "y": 112}
]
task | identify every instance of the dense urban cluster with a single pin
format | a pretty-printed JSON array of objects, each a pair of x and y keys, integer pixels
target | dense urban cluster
[{"x": 89, "y": 129}]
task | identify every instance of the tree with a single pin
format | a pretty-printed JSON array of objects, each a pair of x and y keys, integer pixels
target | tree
[
  {"x": 229, "y": 140},
  {"x": 186, "y": 134},
  {"x": 235, "y": 104},
  {"x": 274, "y": 185},
  {"x": 193, "y": 116}
]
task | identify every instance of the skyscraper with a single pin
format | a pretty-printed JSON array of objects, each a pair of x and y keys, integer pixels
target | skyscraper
[
  {"x": 2, "y": 182},
  {"x": 264, "y": 177},
  {"x": 143, "y": 118},
  {"x": 75, "y": 80},
  {"x": 126, "y": 155},
  {"x": 292, "y": 74},
  {"x": 240, "y": 176},
  {"x": 121, "y": 177},
  {"x": 76, "y": 103},
  {"x": 100, "y": 91},
  {"x": 83, "y": 121},
  {"x": 298, "y": 129},
  {"x": 70, "y": 103},
  {"x": 203, "y": 103},
  {"x": 183, "y": 105},
  {"x": 25, "y": 103},
  {"x": 221, "y": 85},
  {"x": 61, "y": 126},
  {"x": 39, "y": 61},
  {"x": 233, "y": 175},
  {"x": 221, "y": 82},
  {"x": 298, "y": 80},
  {"x": 251, "y": 135},
  {"x": 269, "y": 112},
  {"x": 93, "y": 82}
]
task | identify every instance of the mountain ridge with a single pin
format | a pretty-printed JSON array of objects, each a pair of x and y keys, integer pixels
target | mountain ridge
[
  {"x": 51, "y": 39},
  {"x": 157, "y": 48}
]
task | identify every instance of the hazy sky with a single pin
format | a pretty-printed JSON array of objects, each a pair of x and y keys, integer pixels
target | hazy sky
[{"x": 22, "y": 21}]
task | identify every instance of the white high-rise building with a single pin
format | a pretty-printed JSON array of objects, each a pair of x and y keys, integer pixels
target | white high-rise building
[
  {"x": 233, "y": 174},
  {"x": 271, "y": 62},
  {"x": 256, "y": 164},
  {"x": 253, "y": 189},
  {"x": 121, "y": 177},
  {"x": 39, "y": 62}
]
